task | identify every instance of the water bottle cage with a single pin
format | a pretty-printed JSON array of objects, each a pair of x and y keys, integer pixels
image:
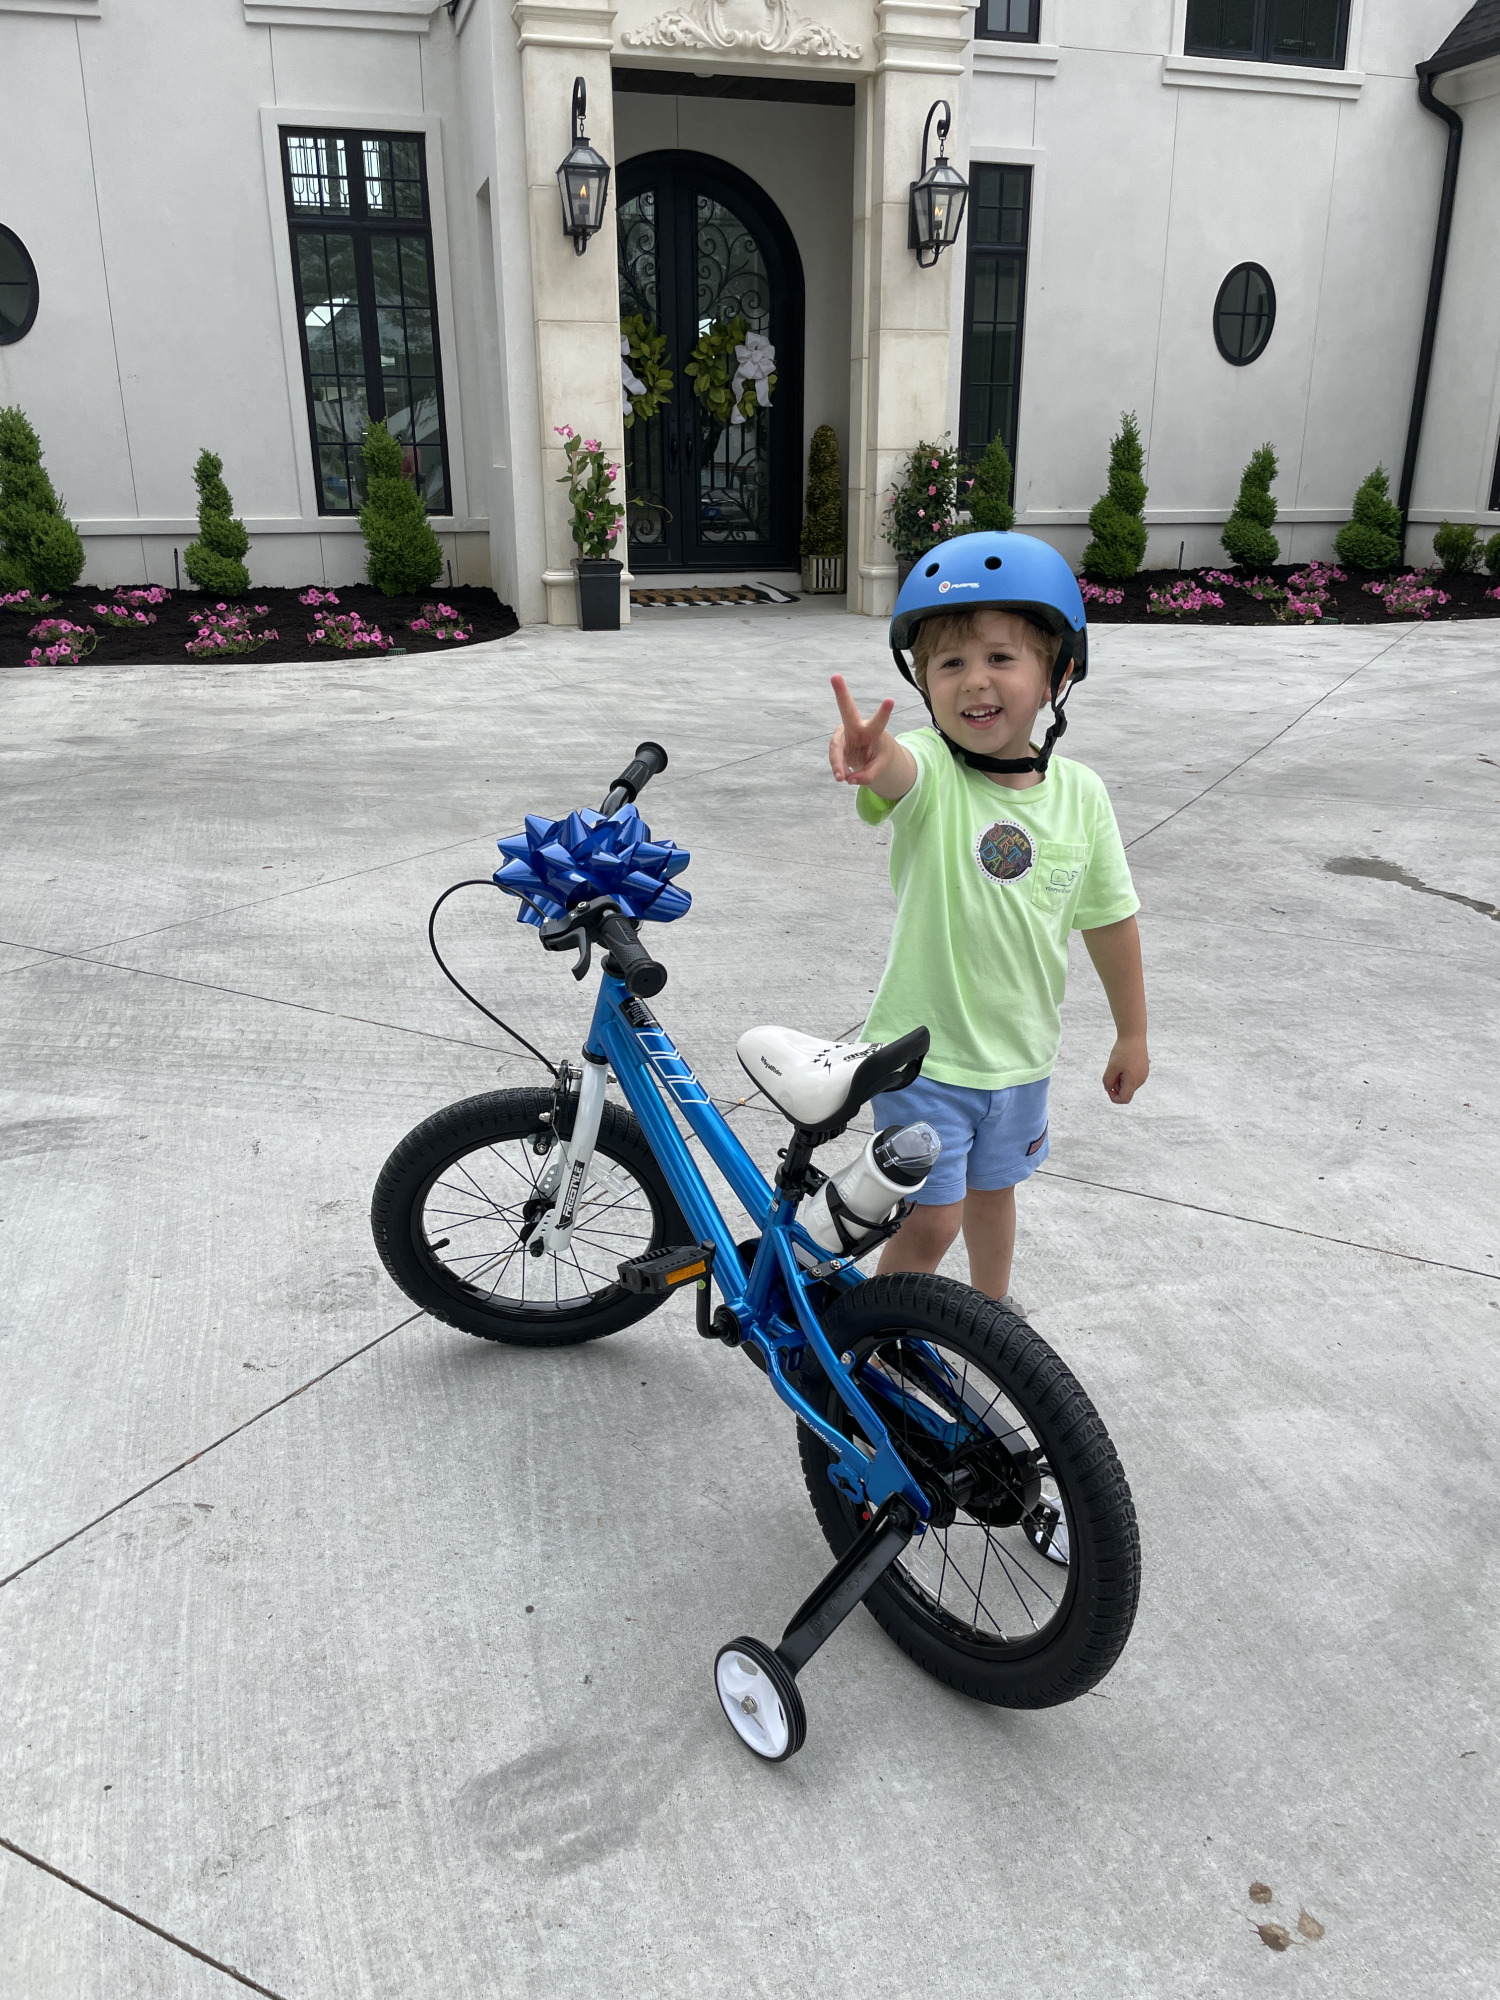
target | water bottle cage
[{"x": 856, "y": 1236}]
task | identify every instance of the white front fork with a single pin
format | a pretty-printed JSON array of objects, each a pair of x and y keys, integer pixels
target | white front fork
[{"x": 567, "y": 1172}]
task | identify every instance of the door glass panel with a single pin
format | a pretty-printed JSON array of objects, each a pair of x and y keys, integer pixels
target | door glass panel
[
  {"x": 408, "y": 359},
  {"x": 733, "y": 459},
  {"x": 335, "y": 364},
  {"x": 647, "y": 515}
]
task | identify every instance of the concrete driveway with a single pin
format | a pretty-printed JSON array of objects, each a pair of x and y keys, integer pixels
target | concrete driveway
[{"x": 366, "y": 1659}]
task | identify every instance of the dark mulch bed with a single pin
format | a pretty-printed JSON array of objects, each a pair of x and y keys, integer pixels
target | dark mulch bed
[
  {"x": 167, "y": 639},
  {"x": 1349, "y": 603}
]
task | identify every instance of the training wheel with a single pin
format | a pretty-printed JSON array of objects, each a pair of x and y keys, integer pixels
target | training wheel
[{"x": 759, "y": 1696}]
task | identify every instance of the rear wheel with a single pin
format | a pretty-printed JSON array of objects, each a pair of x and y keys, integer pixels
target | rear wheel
[
  {"x": 1023, "y": 1589},
  {"x": 455, "y": 1219}
]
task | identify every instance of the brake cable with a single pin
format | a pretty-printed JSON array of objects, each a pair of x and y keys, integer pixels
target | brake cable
[{"x": 482, "y": 882}]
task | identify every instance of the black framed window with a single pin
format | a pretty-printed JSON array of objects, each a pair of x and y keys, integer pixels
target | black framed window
[
  {"x": 1244, "y": 314},
  {"x": 1311, "y": 32},
  {"x": 1495, "y": 485},
  {"x": 994, "y": 307},
  {"x": 357, "y": 205},
  {"x": 1008, "y": 20},
  {"x": 19, "y": 290}
]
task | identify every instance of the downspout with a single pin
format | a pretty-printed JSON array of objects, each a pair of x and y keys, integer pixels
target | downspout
[{"x": 1455, "y": 126}]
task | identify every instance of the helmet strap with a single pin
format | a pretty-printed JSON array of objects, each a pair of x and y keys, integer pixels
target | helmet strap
[{"x": 1008, "y": 766}]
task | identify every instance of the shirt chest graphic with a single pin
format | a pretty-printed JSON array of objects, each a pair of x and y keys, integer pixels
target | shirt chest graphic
[{"x": 1007, "y": 853}]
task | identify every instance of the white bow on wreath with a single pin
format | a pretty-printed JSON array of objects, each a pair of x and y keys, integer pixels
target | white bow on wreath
[
  {"x": 757, "y": 363},
  {"x": 630, "y": 383}
]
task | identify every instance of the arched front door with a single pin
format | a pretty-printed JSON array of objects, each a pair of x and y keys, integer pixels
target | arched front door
[{"x": 700, "y": 246}]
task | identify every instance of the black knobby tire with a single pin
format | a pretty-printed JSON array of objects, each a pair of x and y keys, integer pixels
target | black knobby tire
[
  {"x": 977, "y": 1603},
  {"x": 450, "y": 1207}
]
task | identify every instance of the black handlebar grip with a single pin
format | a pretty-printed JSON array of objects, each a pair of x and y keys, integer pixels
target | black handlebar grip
[
  {"x": 649, "y": 759},
  {"x": 642, "y": 975}
]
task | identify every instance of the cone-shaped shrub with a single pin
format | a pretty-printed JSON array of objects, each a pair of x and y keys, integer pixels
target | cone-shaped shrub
[
  {"x": 1247, "y": 533},
  {"x": 39, "y": 546},
  {"x": 215, "y": 561},
  {"x": 403, "y": 554},
  {"x": 989, "y": 496},
  {"x": 1119, "y": 544},
  {"x": 1492, "y": 555},
  {"x": 1457, "y": 548},
  {"x": 1372, "y": 540},
  {"x": 823, "y": 515}
]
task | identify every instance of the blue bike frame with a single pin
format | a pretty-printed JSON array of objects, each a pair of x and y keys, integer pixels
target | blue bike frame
[{"x": 771, "y": 1300}]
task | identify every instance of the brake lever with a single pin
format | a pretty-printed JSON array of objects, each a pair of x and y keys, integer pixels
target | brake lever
[{"x": 558, "y": 933}]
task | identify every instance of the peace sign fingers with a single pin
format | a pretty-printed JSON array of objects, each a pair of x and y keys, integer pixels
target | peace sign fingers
[{"x": 859, "y": 745}]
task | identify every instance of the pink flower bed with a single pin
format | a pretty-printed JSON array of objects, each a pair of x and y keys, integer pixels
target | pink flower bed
[
  {"x": 347, "y": 632},
  {"x": 441, "y": 621},
  {"x": 224, "y": 631},
  {"x": 1414, "y": 595},
  {"x": 64, "y": 644},
  {"x": 1098, "y": 593},
  {"x": 1182, "y": 600}
]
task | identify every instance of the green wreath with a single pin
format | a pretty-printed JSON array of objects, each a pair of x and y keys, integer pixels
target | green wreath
[
  {"x": 711, "y": 371},
  {"x": 647, "y": 355}
]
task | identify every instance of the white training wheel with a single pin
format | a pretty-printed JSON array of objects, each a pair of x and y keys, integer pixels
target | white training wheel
[{"x": 760, "y": 1699}]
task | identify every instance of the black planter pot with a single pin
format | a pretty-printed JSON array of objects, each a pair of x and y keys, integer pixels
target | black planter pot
[{"x": 598, "y": 592}]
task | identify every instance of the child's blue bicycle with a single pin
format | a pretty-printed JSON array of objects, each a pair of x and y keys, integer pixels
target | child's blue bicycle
[{"x": 960, "y": 1474}]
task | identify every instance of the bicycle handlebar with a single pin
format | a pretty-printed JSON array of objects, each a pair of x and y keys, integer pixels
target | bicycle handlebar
[
  {"x": 638, "y": 969},
  {"x": 649, "y": 759}
]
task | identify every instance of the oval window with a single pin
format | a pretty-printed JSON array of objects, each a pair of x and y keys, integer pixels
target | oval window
[
  {"x": 19, "y": 291},
  {"x": 1244, "y": 313}
]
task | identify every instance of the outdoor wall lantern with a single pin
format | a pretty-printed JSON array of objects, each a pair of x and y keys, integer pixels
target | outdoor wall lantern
[
  {"x": 937, "y": 199},
  {"x": 583, "y": 179}
]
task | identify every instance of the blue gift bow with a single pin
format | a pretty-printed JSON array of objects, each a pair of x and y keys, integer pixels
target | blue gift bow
[{"x": 557, "y": 863}]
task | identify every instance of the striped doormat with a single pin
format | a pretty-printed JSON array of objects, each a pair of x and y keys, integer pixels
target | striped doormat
[{"x": 675, "y": 596}]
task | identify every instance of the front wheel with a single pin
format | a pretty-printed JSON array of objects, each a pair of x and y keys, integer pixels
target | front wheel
[
  {"x": 456, "y": 1217},
  {"x": 1022, "y": 1591}
]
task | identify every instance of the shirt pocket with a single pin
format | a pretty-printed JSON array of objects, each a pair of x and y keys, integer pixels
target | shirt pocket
[{"x": 1057, "y": 878}]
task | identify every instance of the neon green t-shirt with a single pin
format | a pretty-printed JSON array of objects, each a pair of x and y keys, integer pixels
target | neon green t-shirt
[{"x": 989, "y": 882}]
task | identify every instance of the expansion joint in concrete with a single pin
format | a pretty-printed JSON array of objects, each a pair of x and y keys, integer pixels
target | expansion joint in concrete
[{"x": 134, "y": 1917}]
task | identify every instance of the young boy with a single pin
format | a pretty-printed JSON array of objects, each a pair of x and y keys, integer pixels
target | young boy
[{"x": 998, "y": 852}]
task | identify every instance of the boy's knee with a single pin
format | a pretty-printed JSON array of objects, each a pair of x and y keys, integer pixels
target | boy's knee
[{"x": 934, "y": 1223}]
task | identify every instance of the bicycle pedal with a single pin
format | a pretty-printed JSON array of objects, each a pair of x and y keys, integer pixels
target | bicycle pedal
[{"x": 662, "y": 1271}]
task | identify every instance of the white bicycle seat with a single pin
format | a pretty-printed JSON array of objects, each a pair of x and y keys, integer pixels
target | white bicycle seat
[{"x": 816, "y": 1083}]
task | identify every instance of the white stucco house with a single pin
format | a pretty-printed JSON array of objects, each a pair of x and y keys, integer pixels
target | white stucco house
[{"x": 250, "y": 224}]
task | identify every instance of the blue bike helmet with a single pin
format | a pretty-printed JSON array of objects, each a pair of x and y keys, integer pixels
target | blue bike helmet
[{"x": 991, "y": 572}]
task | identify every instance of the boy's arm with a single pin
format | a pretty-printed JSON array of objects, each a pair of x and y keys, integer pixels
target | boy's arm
[
  {"x": 1116, "y": 952},
  {"x": 861, "y": 753}
]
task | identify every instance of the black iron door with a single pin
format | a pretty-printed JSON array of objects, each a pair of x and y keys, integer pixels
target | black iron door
[{"x": 701, "y": 248}]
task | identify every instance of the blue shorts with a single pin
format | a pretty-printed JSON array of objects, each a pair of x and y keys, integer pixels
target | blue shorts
[{"x": 991, "y": 1138}]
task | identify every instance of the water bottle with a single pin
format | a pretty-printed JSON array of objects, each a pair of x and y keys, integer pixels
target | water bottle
[{"x": 893, "y": 1165}]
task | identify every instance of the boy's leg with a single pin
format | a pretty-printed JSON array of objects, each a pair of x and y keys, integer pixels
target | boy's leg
[
  {"x": 925, "y": 1237},
  {"x": 989, "y": 1220}
]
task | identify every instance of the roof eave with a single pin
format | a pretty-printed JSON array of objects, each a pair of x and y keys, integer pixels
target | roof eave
[{"x": 1444, "y": 64}]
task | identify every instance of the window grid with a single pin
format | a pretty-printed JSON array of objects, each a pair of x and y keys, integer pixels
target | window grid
[
  {"x": 366, "y": 312},
  {"x": 1311, "y": 33},
  {"x": 994, "y": 307},
  {"x": 1245, "y": 314},
  {"x": 1008, "y": 20}
]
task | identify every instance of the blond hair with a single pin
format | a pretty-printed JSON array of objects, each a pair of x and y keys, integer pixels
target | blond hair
[{"x": 953, "y": 628}]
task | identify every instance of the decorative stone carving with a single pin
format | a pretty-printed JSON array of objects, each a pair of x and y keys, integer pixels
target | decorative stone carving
[{"x": 764, "y": 27}]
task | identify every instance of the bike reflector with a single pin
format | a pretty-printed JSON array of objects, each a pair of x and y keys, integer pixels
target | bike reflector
[
  {"x": 662, "y": 1270},
  {"x": 557, "y": 863}
]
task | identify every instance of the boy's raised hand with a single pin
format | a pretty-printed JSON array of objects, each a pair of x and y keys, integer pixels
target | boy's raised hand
[{"x": 859, "y": 749}]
